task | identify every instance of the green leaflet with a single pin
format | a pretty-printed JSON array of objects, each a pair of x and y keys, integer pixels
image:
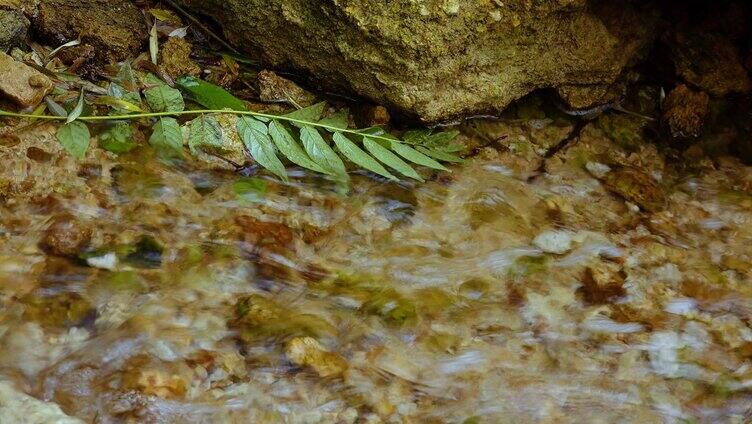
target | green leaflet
[
  {"x": 321, "y": 153},
  {"x": 415, "y": 156},
  {"x": 390, "y": 159},
  {"x": 74, "y": 137},
  {"x": 339, "y": 120},
  {"x": 118, "y": 138},
  {"x": 247, "y": 122},
  {"x": 256, "y": 139},
  {"x": 209, "y": 95},
  {"x": 442, "y": 138},
  {"x": 205, "y": 135},
  {"x": 118, "y": 103},
  {"x": 440, "y": 155},
  {"x": 164, "y": 98},
  {"x": 55, "y": 107},
  {"x": 167, "y": 137},
  {"x": 154, "y": 44},
  {"x": 306, "y": 115},
  {"x": 78, "y": 110},
  {"x": 416, "y": 136},
  {"x": 359, "y": 157},
  {"x": 290, "y": 148}
]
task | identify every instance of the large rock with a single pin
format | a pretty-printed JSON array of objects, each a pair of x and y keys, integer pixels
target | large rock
[
  {"x": 113, "y": 29},
  {"x": 13, "y": 24},
  {"x": 442, "y": 58}
]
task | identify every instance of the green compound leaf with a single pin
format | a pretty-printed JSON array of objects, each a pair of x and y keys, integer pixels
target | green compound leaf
[
  {"x": 291, "y": 149},
  {"x": 209, "y": 95},
  {"x": 167, "y": 138},
  {"x": 415, "y": 156},
  {"x": 118, "y": 138},
  {"x": 321, "y": 153},
  {"x": 163, "y": 98},
  {"x": 359, "y": 157},
  {"x": 74, "y": 137},
  {"x": 256, "y": 139},
  {"x": 205, "y": 135},
  {"x": 390, "y": 159}
]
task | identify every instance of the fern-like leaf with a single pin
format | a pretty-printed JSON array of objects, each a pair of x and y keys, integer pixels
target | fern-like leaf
[
  {"x": 359, "y": 157},
  {"x": 256, "y": 139},
  {"x": 290, "y": 148},
  {"x": 390, "y": 159},
  {"x": 321, "y": 153}
]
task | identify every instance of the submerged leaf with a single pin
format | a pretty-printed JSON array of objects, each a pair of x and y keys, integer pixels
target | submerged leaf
[
  {"x": 256, "y": 139},
  {"x": 74, "y": 137},
  {"x": 359, "y": 157},
  {"x": 321, "y": 153},
  {"x": 164, "y": 98},
  {"x": 167, "y": 137},
  {"x": 205, "y": 135},
  {"x": 250, "y": 190},
  {"x": 415, "y": 156},
  {"x": 291, "y": 149},
  {"x": 390, "y": 159},
  {"x": 310, "y": 114},
  {"x": 78, "y": 110},
  {"x": 209, "y": 95},
  {"x": 118, "y": 138}
]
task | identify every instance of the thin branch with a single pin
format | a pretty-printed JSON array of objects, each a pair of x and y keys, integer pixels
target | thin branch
[{"x": 203, "y": 27}]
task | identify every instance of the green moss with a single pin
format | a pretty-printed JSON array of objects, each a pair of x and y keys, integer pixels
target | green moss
[
  {"x": 59, "y": 310},
  {"x": 258, "y": 318},
  {"x": 374, "y": 298},
  {"x": 624, "y": 130},
  {"x": 529, "y": 265}
]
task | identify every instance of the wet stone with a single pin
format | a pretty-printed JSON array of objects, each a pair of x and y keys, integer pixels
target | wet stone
[
  {"x": 13, "y": 27},
  {"x": 115, "y": 28},
  {"x": 685, "y": 112},
  {"x": 176, "y": 58},
  {"x": 66, "y": 236},
  {"x": 21, "y": 83},
  {"x": 637, "y": 187},
  {"x": 273, "y": 88}
]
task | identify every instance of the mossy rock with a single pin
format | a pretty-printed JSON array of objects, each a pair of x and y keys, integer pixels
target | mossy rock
[{"x": 440, "y": 59}]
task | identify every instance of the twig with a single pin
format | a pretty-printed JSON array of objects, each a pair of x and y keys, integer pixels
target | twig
[{"x": 203, "y": 27}]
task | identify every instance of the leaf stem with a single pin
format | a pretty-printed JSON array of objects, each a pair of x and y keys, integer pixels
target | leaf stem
[{"x": 192, "y": 112}]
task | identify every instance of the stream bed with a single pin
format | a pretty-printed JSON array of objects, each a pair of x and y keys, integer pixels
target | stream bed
[{"x": 563, "y": 273}]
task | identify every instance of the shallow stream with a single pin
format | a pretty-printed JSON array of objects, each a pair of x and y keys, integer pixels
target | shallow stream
[{"x": 563, "y": 273}]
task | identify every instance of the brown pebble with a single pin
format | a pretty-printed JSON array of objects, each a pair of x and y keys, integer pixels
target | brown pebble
[
  {"x": 66, "y": 236},
  {"x": 378, "y": 115},
  {"x": 262, "y": 233},
  {"x": 685, "y": 111}
]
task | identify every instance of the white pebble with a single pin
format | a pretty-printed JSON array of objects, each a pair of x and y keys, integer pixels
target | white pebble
[{"x": 556, "y": 242}]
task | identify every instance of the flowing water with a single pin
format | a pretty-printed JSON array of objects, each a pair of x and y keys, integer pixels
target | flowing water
[{"x": 562, "y": 274}]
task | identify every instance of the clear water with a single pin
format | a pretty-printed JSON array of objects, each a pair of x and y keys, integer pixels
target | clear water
[{"x": 603, "y": 284}]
